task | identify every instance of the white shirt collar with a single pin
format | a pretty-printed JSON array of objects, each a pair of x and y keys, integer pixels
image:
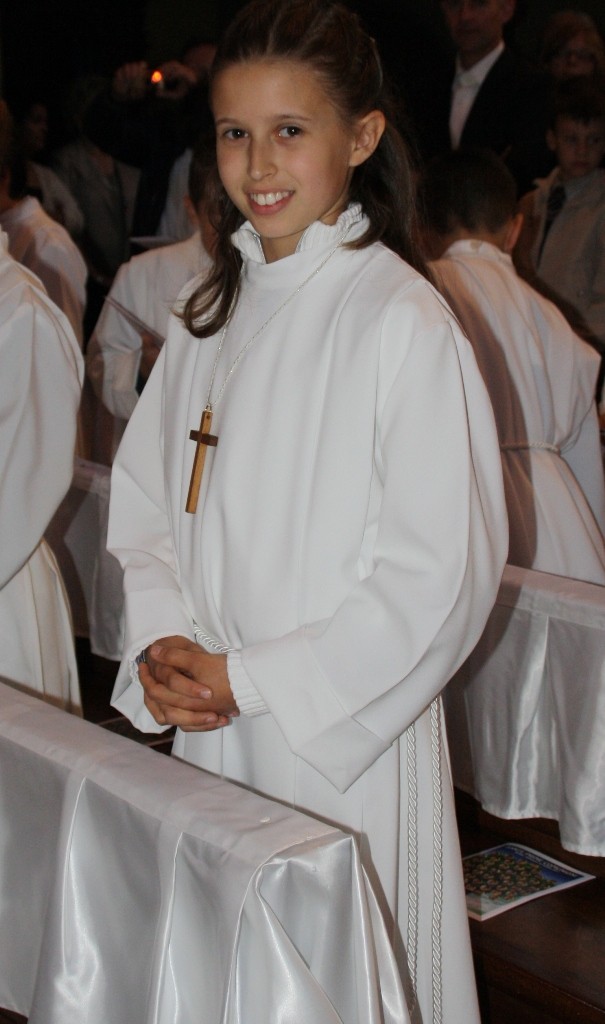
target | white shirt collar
[
  {"x": 477, "y": 74},
  {"x": 476, "y": 247},
  {"x": 577, "y": 185}
]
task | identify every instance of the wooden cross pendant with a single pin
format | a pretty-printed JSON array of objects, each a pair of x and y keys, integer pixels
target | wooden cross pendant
[{"x": 203, "y": 439}]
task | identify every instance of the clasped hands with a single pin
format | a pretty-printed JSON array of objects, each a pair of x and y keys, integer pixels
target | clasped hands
[{"x": 186, "y": 686}]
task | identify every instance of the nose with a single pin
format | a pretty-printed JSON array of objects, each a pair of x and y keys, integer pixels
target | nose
[{"x": 260, "y": 160}]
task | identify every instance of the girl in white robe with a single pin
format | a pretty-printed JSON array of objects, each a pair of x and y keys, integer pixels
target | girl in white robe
[{"x": 344, "y": 547}]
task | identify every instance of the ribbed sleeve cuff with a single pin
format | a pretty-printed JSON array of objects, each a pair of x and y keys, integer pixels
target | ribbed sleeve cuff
[{"x": 247, "y": 697}]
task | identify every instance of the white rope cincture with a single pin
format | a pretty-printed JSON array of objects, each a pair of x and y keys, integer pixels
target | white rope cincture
[
  {"x": 133, "y": 667},
  {"x": 412, "y": 829},
  {"x": 209, "y": 641},
  {"x": 437, "y": 916},
  {"x": 522, "y": 446},
  {"x": 202, "y": 639}
]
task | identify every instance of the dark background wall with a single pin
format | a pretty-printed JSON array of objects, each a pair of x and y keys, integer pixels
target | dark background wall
[{"x": 46, "y": 44}]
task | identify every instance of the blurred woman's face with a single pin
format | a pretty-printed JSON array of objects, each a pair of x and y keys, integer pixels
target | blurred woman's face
[{"x": 577, "y": 57}]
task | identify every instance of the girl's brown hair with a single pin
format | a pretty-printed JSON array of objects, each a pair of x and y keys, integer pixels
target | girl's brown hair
[{"x": 330, "y": 40}]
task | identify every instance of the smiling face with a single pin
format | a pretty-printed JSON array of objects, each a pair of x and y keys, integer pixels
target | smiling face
[{"x": 284, "y": 155}]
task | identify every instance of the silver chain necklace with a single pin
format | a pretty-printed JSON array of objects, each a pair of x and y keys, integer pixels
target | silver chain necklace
[
  {"x": 212, "y": 405},
  {"x": 202, "y": 437}
]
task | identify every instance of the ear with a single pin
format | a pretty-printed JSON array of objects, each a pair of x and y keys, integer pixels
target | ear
[
  {"x": 368, "y": 133},
  {"x": 551, "y": 140},
  {"x": 513, "y": 230},
  {"x": 508, "y": 9}
]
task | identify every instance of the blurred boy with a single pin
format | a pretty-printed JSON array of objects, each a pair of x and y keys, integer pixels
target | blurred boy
[
  {"x": 561, "y": 250},
  {"x": 540, "y": 376}
]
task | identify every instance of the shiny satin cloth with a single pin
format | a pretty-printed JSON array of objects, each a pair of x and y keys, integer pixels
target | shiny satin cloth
[
  {"x": 93, "y": 577},
  {"x": 136, "y": 888},
  {"x": 526, "y": 713}
]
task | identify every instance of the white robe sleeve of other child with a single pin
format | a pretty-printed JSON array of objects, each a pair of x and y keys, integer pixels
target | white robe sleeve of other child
[
  {"x": 46, "y": 248},
  {"x": 147, "y": 286},
  {"x": 42, "y": 373}
]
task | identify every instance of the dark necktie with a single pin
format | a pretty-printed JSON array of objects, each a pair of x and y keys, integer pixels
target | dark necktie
[{"x": 554, "y": 205}]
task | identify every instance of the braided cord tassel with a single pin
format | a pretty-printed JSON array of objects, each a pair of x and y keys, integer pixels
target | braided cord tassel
[
  {"x": 437, "y": 916},
  {"x": 209, "y": 642},
  {"x": 412, "y": 829}
]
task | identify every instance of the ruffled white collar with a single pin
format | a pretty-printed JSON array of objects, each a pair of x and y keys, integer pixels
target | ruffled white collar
[{"x": 351, "y": 224}]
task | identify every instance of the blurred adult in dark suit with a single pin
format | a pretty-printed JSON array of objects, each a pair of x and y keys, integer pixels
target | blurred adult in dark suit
[{"x": 486, "y": 95}]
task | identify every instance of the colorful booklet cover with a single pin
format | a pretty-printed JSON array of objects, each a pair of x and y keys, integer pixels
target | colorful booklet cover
[{"x": 505, "y": 876}]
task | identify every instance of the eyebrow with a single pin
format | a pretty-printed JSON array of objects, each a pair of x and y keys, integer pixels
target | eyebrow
[{"x": 274, "y": 117}]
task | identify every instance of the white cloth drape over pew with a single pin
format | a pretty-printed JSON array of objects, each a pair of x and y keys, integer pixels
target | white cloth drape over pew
[
  {"x": 526, "y": 712},
  {"x": 136, "y": 888}
]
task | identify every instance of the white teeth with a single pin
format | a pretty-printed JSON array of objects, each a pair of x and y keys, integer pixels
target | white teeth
[{"x": 267, "y": 198}]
